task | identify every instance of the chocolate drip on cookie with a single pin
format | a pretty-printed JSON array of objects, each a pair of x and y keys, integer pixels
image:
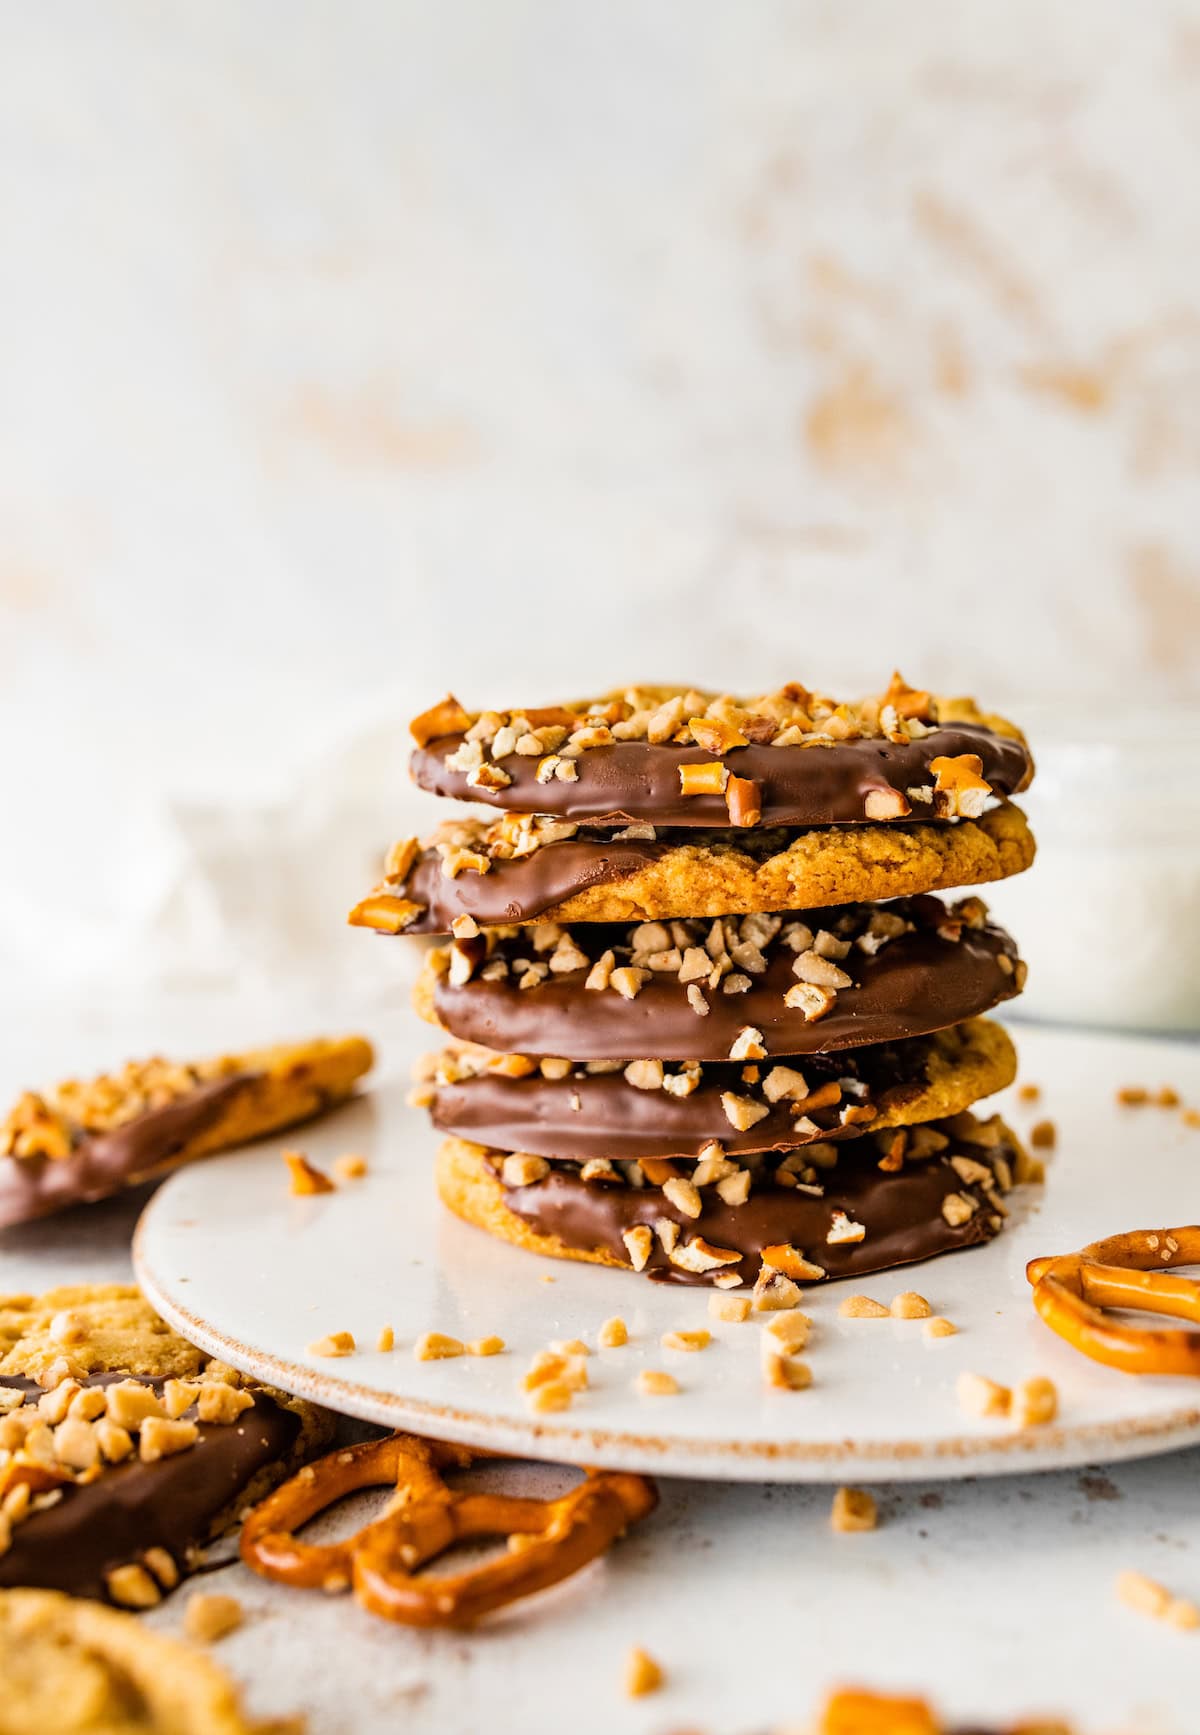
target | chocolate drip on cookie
[
  {"x": 830, "y": 783},
  {"x": 175, "y": 1503},
  {"x": 805, "y": 982}
]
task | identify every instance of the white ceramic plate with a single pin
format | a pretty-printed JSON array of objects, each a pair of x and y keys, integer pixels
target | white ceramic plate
[{"x": 253, "y": 1274}]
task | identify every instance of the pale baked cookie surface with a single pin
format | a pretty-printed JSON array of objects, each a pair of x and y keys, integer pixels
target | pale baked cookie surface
[
  {"x": 123, "y": 1448},
  {"x": 72, "y": 1667},
  {"x": 83, "y": 1141},
  {"x": 530, "y": 871}
]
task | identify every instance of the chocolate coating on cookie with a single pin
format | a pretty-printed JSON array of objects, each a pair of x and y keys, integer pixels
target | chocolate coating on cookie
[
  {"x": 172, "y": 1503},
  {"x": 638, "y": 782},
  {"x": 103, "y": 1163},
  {"x": 523, "y": 888},
  {"x": 589, "y": 1114},
  {"x": 937, "y": 973},
  {"x": 901, "y": 1213}
]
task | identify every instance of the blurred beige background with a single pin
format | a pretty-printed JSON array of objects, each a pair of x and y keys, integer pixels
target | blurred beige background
[{"x": 528, "y": 345}]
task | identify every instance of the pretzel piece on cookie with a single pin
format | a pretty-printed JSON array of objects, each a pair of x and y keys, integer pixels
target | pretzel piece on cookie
[{"x": 1071, "y": 1292}]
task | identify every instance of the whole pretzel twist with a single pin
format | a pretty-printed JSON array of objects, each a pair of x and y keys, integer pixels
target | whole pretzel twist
[
  {"x": 1072, "y": 1290},
  {"x": 423, "y": 1519}
]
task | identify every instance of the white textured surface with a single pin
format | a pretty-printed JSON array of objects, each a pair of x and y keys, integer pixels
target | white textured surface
[
  {"x": 228, "y": 1255},
  {"x": 350, "y": 353},
  {"x": 994, "y": 1595}
]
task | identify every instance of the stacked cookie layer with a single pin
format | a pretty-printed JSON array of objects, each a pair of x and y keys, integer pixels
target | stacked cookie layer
[{"x": 706, "y": 1019}]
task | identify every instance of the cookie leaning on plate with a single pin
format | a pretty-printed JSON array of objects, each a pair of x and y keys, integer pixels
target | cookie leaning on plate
[
  {"x": 85, "y": 1141},
  {"x": 75, "y": 1668},
  {"x": 123, "y": 1448}
]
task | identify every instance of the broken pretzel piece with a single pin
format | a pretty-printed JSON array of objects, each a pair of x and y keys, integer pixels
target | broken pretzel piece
[{"x": 1071, "y": 1292}]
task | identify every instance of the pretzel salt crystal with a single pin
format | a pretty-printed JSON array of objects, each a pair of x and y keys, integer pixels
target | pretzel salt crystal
[
  {"x": 423, "y": 1519},
  {"x": 1072, "y": 1290}
]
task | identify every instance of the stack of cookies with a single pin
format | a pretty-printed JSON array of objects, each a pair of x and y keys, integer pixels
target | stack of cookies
[{"x": 705, "y": 1019}]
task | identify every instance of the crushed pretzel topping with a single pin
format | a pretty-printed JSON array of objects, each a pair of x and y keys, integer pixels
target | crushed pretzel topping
[{"x": 853, "y": 1509}]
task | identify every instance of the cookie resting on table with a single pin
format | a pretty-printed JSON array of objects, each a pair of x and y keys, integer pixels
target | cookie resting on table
[
  {"x": 826, "y": 1210},
  {"x": 123, "y": 1448},
  {"x": 75, "y": 1668},
  {"x": 84, "y": 1141},
  {"x": 738, "y": 988},
  {"x": 666, "y": 756},
  {"x": 523, "y": 868},
  {"x": 603, "y": 1109}
]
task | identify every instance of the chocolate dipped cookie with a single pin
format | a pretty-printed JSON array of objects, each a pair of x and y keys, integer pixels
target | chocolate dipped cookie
[
  {"x": 84, "y": 1141},
  {"x": 826, "y": 1211},
  {"x": 602, "y": 1109},
  {"x": 793, "y": 983},
  {"x": 525, "y": 868},
  {"x": 675, "y": 757},
  {"x": 124, "y": 1449}
]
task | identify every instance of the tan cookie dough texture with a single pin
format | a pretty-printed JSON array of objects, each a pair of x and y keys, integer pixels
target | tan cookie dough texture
[
  {"x": 73, "y": 1667},
  {"x": 825, "y": 865},
  {"x": 99, "y": 1328},
  {"x": 853, "y": 864},
  {"x": 958, "y": 1075}
]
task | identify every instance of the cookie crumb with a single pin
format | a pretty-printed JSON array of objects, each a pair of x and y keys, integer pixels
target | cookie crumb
[
  {"x": 653, "y": 1383},
  {"x": 305, "y": 1178},
  {"x": 787, "y": 1332},
  {"x": 1149, "y": 1597},
  {"x": 437, "y": 1346},
  {"x": 784, "y": 1372},
  {"x": 1167, "y": 1097},
  {"x": 1191, "y": 1117},
  {"x": 909, "y": 1305},
  {"x": 131, "y": 1586},
  {"x": 733, "y": 1309},
  {"x": 862, "y": 1307},
  {"x": 612, "y": 1333},
  {"x": 335, "y": 1343},
  {"x": 853, "y": 1509},
  {"x": 1043, "y": 1135},
  {"x": 686, "y": 1340},
  {"x": 550, "y": 1395},
  {"x": 386, "y": 1339},
  {"x": 1035, "y": 1402},
  {"x": 1029, "y": 1092},
  {"x": 350, "y": 1166},
  {"x": 490, "y": 1345},
  {"x": 939, "y": 1327},
  {"x": 642, "y": 1674},
  {"x": 980, "y": 1396},
  {"x": 209, "y": 1616},
  {"x": 1132, "y": 1095}
]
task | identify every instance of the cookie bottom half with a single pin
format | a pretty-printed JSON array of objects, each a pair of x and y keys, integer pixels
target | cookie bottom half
[{"x": 837, "y": 1211}]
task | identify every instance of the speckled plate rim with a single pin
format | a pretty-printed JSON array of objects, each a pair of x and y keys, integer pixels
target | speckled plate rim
[
  {"x": 951, "y": 1455},
  {"x": 1007, "y": 1453}
]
